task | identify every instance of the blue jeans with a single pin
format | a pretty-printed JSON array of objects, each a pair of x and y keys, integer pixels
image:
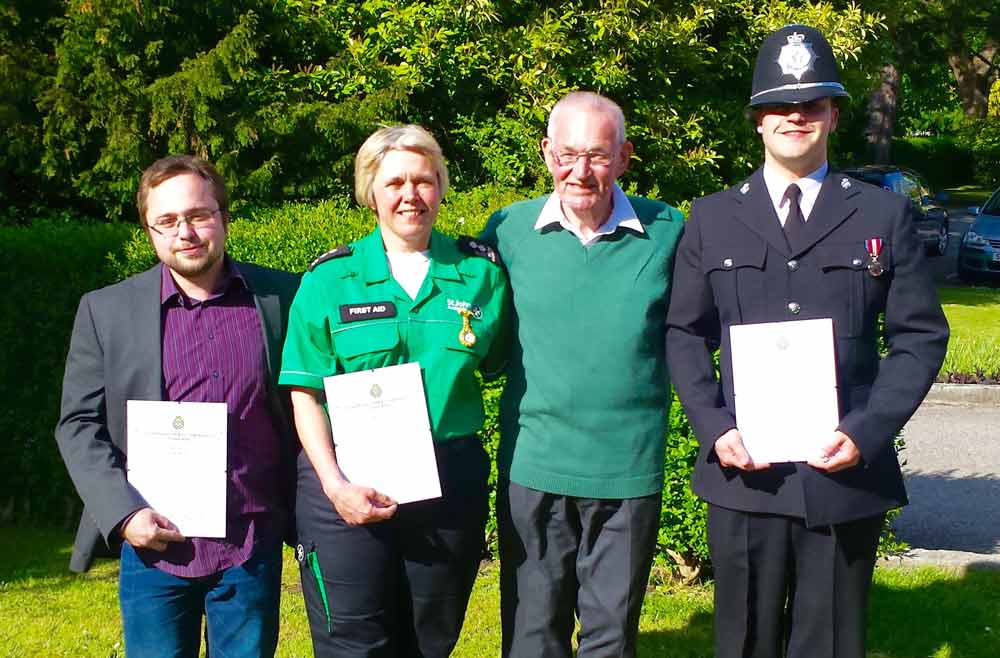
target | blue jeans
[{"x": 161, "y": 613}]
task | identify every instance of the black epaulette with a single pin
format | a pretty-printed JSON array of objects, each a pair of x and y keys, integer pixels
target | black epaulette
[
  {"x": 342, "y": 250},
  {"x": 473, "y": 247}
]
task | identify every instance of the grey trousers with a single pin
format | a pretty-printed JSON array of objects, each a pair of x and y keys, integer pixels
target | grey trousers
[{"x": 563, "y": 557}]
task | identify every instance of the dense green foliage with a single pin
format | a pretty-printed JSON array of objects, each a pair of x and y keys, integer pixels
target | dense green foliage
[
  {"x": 983, "y": 139},
  {"x": 26, "y": 68},
  {"x": 280, "y": 94},
  {"x": 44, "y": 271},
  {"x": 944, "y": 161}
]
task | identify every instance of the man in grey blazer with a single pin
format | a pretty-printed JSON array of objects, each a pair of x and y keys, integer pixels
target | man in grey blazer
[{"x": 197, "y": 327}]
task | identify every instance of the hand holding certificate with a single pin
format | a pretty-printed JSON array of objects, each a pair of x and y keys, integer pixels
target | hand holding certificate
[
  {"x": 177, "y": 462},
  {"x": 382, "y": 432},
  {"x": 785, "y": 385}
]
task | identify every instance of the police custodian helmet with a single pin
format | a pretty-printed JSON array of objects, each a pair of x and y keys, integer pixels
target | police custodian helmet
[{"x": 795, "y": 65}]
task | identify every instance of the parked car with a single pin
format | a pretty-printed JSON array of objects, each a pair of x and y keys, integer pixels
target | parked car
[
  {"x": 979, "y": 251},
  {"x": 931, "y": 220}
]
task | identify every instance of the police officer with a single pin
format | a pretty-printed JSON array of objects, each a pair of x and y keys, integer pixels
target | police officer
[
  {"x": 793, "y": 544},
  {"x": 382, "y": 579}
]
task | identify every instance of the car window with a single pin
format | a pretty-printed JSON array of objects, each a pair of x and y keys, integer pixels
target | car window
[
  {"x": 893, "y": 183},
  {"x": 992, "y": 207},
  {"x": 867, "y": 177},
  {"x": 909, "y": 187},
  {"x": 922, "y": 188}
]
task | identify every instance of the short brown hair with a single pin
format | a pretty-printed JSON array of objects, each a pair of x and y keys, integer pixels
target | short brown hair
[
  {"x": 409, "y": 137},
  {"x": 175, "y": 165}
]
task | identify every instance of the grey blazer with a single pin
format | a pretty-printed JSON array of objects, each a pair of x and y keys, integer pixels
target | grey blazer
[{"x": 114, "y": 356}]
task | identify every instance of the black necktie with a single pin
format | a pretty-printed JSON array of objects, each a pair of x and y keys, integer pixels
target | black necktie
[{"x": 794, "y": 222}]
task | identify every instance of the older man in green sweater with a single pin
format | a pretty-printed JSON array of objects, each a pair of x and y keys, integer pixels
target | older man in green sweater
[{"x": 584, "y": 413}]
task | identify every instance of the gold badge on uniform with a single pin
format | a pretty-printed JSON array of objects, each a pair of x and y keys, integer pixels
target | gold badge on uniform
[{"x": 466, "y": 336}]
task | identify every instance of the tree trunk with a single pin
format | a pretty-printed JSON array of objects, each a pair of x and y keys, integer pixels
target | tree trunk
[
  {"x": 974, "y": 73},
  {"x": 970, "y": 93},
  {"x": 882, "y": 115}
]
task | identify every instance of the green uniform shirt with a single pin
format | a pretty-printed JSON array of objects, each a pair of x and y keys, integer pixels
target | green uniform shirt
[{"x": 350, "y": 314}]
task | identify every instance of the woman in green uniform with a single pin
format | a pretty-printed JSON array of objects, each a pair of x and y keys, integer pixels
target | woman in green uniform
[{"x": 382, "y": 579}]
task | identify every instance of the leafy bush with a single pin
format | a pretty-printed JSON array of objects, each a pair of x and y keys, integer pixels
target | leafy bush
[
  {"x": 982, "y": 138},
  {"x": 281, "y": 93},
  {"x": 45, "y": 269},
  {"x": 945, "y": 161}
]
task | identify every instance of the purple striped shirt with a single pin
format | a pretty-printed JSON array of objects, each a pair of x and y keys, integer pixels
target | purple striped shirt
[{"x": 213, "y": 351}]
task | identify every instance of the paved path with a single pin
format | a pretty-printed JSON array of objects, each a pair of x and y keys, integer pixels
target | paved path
[{"x": 952, "y": 473}]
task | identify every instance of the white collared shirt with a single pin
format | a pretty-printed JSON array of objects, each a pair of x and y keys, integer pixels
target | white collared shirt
[
  {"x": 622, "y": 214},
  {"x": 409, "y": 269},
  {"x": 776, "y": 186}
]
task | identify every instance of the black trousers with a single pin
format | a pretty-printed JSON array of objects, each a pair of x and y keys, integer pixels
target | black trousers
[
  {"x": 399, "y": 588},
  {"x": 782, "y": 589},
  {"x": 563, "y": 557}
]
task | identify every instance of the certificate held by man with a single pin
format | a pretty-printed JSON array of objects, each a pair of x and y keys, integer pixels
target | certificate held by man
[
  {"x": 382, "y": 433},
  {"x": 785, "y": 386},
  {"x": 177, "y": 459}
]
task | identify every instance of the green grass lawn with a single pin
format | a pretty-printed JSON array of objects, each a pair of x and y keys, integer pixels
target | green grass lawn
[
  {"x": 916, "y": 613},
  {"x": 968, "y": 195},
  {"x": 974, "y": 317}
]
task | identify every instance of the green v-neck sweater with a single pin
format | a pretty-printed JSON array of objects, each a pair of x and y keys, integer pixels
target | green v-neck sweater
[{"x": 584, "y": 412}]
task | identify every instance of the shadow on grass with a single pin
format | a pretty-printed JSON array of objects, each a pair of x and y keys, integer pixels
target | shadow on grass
[
  {"x": 968, "y": 195},
  {"x": 914, "y": 613},
  {"x": 935, "y": 616},
  {"x": 981, "y": 295},
  {"x": 692, "y": 641},
  {"x": 41, "y": 553}
]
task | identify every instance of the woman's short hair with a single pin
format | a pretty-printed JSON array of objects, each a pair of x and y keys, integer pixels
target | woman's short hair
[{"x": 408, "y": 137}]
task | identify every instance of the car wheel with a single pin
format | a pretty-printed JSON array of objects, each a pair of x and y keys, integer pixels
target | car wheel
[{"x": 940, "y": 247}]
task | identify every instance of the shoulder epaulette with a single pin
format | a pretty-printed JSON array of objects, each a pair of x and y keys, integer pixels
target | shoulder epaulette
[
  {"x": 342, "y": 250},
  {"x": 473, "y": 247}
]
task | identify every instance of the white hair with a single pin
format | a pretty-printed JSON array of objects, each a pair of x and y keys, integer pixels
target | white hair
[{"x": 588, "y": 100}]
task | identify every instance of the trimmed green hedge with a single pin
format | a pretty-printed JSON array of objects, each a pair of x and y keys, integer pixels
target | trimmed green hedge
[
  {"x": 944, "y": 161},
  {"x": 44, "y": 270}
]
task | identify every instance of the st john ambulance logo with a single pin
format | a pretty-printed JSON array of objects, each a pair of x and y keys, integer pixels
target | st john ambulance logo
[{"x": 797, "y": 56}]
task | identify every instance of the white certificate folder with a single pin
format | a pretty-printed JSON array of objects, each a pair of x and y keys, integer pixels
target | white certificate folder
[
  {"x": 785, "y": 386},
  {"x": 382, "y": 432},
  {"x": 177, "y": 461}
]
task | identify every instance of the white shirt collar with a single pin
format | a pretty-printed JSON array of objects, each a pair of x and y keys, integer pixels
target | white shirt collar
[
  {"x": 622, "y": 215},
  {"x": 810, "y": 185}
]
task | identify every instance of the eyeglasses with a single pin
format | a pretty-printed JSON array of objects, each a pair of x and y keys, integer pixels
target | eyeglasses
[
  {"x": 169, "y": 225},
  {"x": 567, "y": 158}
]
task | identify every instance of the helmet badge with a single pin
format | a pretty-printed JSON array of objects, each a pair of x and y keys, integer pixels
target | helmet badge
[{"x": 797, "y": 56}]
